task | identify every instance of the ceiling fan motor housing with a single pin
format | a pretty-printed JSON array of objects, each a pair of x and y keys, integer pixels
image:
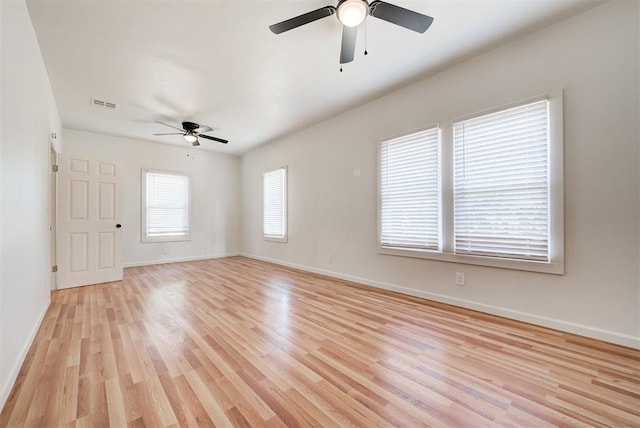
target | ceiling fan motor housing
[{"x": 190, "y": 126}]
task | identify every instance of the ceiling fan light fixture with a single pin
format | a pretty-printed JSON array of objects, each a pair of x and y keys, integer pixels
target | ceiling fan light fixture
[
  {"x": 190, "y": 138},
  {"x": 352, "y": 12}
]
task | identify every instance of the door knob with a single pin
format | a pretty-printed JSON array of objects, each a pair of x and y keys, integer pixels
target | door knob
[{"x": 118, "y": 226}]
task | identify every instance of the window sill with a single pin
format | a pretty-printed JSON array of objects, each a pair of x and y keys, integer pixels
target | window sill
[
  {"x": 275, "y": 238},
  {"x": 556, "y": 268},
  {"x": 146, "y": 240}
]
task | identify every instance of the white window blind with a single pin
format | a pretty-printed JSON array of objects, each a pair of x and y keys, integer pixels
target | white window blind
[
  {"x": 410, "y": 191},
  {"x": 275, "y": 204},
  {"x": 501, "y": 184},
  {"x": 167, "y": 205}
]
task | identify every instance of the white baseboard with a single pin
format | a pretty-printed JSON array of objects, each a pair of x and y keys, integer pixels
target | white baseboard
[
  {"x": 178, "y": 260},
  {"x": 13, "y": 375},
  {"x": 566, "y": 326}
]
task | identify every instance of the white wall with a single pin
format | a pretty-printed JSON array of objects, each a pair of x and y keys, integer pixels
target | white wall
[
  {"x": 593, "y": 57},
  {"x": 29, "y": 114},
  {"x": 215, "y": 187}
]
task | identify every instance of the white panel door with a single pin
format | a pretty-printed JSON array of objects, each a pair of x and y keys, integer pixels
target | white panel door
[{"x": 89, "y": 242}]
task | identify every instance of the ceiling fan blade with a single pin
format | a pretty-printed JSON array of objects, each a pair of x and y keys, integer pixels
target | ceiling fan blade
[
  {"x": 170, "y": 126},
  {"x": 348, "y": 48},
  {"x": 306, "y": 18},
  {"x": 203, "y": 129},
  {"x": 219, "y": 140},
  {"x": 400, "y": 16},
  {"x": 171, "y": 133}
]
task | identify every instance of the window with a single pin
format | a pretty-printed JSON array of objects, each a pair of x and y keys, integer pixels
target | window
[
  {"x": 501, "y": 190},
  {"x": 410, "y": 191},
  {"x": 165, "y": 206},
  {"x": 275, "y": 205},
  {"x": 490, "y": 193}
]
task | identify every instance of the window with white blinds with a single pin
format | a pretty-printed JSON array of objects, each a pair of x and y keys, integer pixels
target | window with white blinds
[
  {"x": 275, "y": 204},
  {"x": 165, "y": 206},
  {"x": 501, "y": 184},
  {"x": 410, "y": 191}
]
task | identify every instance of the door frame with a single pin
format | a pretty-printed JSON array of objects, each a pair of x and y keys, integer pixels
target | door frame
[{"x": 53, "y": 214}]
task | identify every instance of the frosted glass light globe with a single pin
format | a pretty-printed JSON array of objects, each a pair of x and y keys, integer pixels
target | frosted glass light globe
[
  {"x": 352, "y": 12},
  {"x": 190, "y": 138}
]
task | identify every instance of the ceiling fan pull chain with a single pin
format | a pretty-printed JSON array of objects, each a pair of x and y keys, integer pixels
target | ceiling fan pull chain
[{"x": 365, "y": 38}]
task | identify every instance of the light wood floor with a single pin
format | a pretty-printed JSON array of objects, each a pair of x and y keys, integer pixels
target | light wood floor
[{"x": 237, "y": 342}]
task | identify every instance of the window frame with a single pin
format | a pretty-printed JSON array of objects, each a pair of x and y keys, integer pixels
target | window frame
[
  {"x": 395, "y": 249},
  {"x": 145, "y": 238},
  {"x": 285, "y": 225},
  {"x": 555, "y": 265}
]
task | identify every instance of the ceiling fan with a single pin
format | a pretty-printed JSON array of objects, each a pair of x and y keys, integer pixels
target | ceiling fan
[
  {"x": 352, "y": 13},
  {"x": 191, "y": 132}
]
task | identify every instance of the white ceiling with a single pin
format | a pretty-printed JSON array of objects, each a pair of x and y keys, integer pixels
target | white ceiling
[{"x": 216, "y": 62}]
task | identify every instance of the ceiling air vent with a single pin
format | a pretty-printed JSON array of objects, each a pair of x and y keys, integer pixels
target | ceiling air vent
[{"x": 99, "y": 103}]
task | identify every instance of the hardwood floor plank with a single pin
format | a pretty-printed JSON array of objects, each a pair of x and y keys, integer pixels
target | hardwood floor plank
[
  {"x": 98, "y": 405},
  {"x": 194, "y": 411},
  {"x": 117, "y": 414},
  {"x": 211, "y": 406},
  {"x": 238, "y": 342}
]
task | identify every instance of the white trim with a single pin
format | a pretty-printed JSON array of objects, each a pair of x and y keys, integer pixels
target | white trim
[
  {"x": 409, "y": 132},
  {"x": 447, "y": 234},
  {"x": 565, "y": 326},
  {"x": 143, "y": 209},
  {"x": 379, "y": 179},
  {"x": 532, "y": 266},
  {"x": 507, "y": 106},
  {"x": 13, "y": 374},
  {"x": 178, "y": 260},
  {"x": 556, "y": 179},
  {"x": 285, "y": 220},
  {"x": 275, "y": 238}
]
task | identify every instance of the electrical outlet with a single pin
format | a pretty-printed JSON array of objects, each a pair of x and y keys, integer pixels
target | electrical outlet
[
  {"x": 268, "y": 247},
  {"x": 330, "y": 258},
  {"x": 165, "y": 250},
  {"x": 460, "y": 278}
]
